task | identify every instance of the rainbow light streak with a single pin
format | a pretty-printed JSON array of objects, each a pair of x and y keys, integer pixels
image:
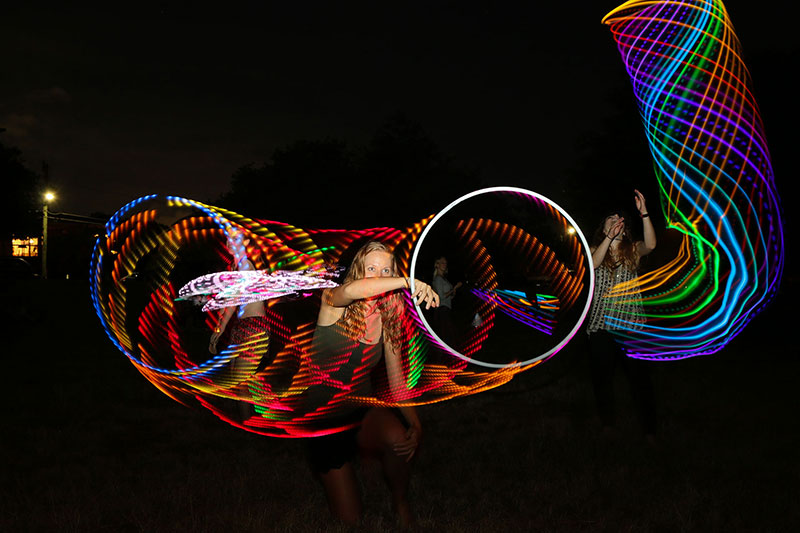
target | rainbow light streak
[
  {"x": 714, "y": 173},
  {"x": 514, "y": 305},
  {"x": 156, "y": 244}
]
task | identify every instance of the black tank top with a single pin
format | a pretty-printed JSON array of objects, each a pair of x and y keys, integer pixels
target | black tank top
[
  {"x": 342, "y": 361},
  {"x": 340, "y": 367}
]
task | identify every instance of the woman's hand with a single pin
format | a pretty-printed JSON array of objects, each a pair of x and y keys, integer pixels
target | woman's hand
[
  {"x": 452, "y": 292},
  {"x": 212, "y": 343},
  {"x": 640, "y": 203},
  {"x": 409, "y": 445},
  {"x": 615, "y": 230},
  {"x": 423, "y": 293}
]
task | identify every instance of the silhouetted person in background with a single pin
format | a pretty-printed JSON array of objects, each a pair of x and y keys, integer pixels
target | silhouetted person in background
[
  {"x": 442, "y": 317},
  {"x": 615, "y": 257}
]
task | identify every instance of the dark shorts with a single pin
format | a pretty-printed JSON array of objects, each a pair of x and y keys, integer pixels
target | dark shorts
[{"x": 330, "y": 452}]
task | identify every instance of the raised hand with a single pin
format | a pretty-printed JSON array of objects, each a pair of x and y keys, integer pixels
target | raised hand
[
  {"x": 615, "y": 230},
  {"x": 640, "y": 203}
]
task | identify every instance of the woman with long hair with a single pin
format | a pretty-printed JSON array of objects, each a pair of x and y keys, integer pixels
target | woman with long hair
[
  {"x": 616, "y": 258},
  {"x": 250, "y": 322},
  {"x": 362, "y": 319},
  {"x": 251, "y": 315}
]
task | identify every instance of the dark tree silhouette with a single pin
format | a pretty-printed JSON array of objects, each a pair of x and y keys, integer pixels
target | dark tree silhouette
[
  {"x": 404, "y": 170},
  {"x": 19, "y": 201},
  {"x": 398, "y": 178},
  {"x": 300, "y": 185},
  {"x": 610, "y": 163}
]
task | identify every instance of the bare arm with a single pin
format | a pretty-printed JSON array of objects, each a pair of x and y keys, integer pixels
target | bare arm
[
  {"x": 223, "y": 323},
  {"x": 599, "y": 253},
  {"x": 359, "y": 289},
  {"x": 649, "y": 243},
  {"x": 335, "y": 300}
]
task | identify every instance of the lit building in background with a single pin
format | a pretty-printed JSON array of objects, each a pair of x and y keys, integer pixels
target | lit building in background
[{"x": 27, "y": 247}]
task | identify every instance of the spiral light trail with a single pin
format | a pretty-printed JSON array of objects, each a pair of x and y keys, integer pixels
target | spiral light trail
[
  {"x": 714, "y": 173},
  {"x": 161, "y": 256}
]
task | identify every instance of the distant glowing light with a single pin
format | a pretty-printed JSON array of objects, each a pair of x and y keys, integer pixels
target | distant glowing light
[{"x": 25, "y": 247}]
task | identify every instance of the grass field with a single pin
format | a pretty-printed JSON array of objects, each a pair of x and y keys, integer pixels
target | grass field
[{"x": 89, "y": 445}]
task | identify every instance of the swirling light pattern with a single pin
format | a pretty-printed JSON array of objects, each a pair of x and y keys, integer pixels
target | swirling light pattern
[
  {"x": 271, "y": 380},
  {"x": 235, "y": 288},
  {"x": 715, "y": 176},
  {"x": 539, "y": 313},
  {"x": 506, "y": 246}
]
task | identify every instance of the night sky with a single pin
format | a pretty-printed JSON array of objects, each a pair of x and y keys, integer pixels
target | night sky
[{"x": 171, "y": 98}]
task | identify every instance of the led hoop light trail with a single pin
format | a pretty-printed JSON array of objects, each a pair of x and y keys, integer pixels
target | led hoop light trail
[
  {"x": 155, "y": 245},
  {"x": 714, "y": 173},
  {"x": 717, "y": 189},
  {"x": 498, "y": 298}
]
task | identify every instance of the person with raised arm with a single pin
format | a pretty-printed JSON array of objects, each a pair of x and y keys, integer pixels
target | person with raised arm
[{"x": 617, "y": 307}]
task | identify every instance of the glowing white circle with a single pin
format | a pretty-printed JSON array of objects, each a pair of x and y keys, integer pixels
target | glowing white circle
[{"x": 578, "y": 232}]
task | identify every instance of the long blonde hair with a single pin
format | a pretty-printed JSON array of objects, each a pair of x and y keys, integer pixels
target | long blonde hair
[{"x": 390, "y": 305}]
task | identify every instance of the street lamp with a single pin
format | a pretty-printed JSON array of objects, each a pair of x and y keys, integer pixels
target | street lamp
[{"x": 48, "y": 197}]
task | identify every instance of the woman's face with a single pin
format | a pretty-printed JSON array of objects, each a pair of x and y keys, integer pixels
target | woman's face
[
  {"x": 440, "y": 265},
  {"x": 378, "y": 264}
]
